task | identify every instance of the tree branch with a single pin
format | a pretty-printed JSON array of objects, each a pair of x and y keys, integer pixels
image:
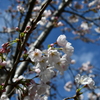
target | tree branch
[
  {"x": 87, "y": 19},
  {"x": 43, "y": 35},
  {"x": 33, "y": 24},
  {"x": 26, "y": 20}
]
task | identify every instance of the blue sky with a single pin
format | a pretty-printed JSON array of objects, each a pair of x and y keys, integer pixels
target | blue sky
[
  {"x": 83, "y": 52},
  {"x": 81, "y": 49}
]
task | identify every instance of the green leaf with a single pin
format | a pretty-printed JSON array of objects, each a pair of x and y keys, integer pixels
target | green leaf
[
  {"x": 49, "y": 46},
  {"x": 22, "y": 34}
]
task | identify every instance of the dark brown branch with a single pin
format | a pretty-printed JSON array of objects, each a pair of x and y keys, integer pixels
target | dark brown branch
[
  {"x": 28, "y": 15},
  {"x": 68, "y": 23},
  {"x": 64, "y": 19},
  {"x": 33, "y": 24},
  {"x": 26, "y": 20},
  {"x": 87, "y": 19},
  {"x": 75, "y": 97}
]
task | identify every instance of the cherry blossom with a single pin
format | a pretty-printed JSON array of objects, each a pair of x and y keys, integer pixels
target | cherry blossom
[
  {"x": 84, "y": 80},
  {"x": 35, "y": 92},
  {"x": 45, "y": 64},
  {"x": 3, "y": 63},
  {"x": 93, "y": 3},
  {"x": 47, "y": 13},
  {"x": 92, "y": 96},
  {"x": 60, "y": 24},
  {"x": 20, "y": 8},
  {"x": 61, "y": 40},
  {"x": 73, "y": 19},
  {"x": 68, "y": 49},
  {"x": 4, "y": 97},
  {"x": 43, "y": 21},
  {"x": 35, "y": 55},
  {"x": 62, "y": 64},
  {"x": 68, "y": 86},
  {"x": 86, "y": 67},
  {"x": 42, "y": 64},
  {"x": 48, "y": 60},
  {"x": 86, "y": 26},
  {"x": 36, "y": 8},
  {"x": 73, "y": 61},
  {"x": 53, "y": 56},
  {"x": 42, "y": 89},
  {"x": 47, "y": 74},
  {"x": 97, "y": 29},
  {"x": 32, "y": 91}
]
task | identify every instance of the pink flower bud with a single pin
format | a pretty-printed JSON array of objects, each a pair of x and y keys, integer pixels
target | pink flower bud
[
  {"x": 17, "y": 29},
  {"x": 28, "y": 27},
  {"x": 52, "y": 45}
]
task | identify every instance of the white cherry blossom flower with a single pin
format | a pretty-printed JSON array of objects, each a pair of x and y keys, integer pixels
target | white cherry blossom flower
[
  {"x": 86, "y": 67},
  {"x": 32, "y": 91},
  {"x": 81, "y": 97},
  {"x": 20, "y": 8},
  {"x": 4, "y": 97},
  {"x": 3, "y": 63},
  {"x": 53, "y": 56},
  {"x": 85, "y": 25},
  {"x": 97, "y": 29},
  {"x": 36, "y": 8},
  {"x": 93, "y": 3},
  {"x": 42, "y": 89},
  {"x": 44, "y": 97},
  {"x": 62, "y": 64},
  {"x": 61, "y": 40},
  {"x": 35, "y": 91},
  {"x": 84, "y": 80},
  {"x": 38, "y": 97},
  {"x": 47, "y": 13},
  {"x": 68, "y": 86},
  {"x": 73, "y": 19},
  {"x": 35, "y": 55},
  {"x": 42, "y": 64},
  {"x": 92, "y": 96},
  {"x": 60, "y": 24},
  {"x": 68, "y": 49},
  {"x": 73, "y": 61},
  {"x": 37, "y": 70},
  {"x": 43, "y": 21},
  {"x": 46, "y": 75}
]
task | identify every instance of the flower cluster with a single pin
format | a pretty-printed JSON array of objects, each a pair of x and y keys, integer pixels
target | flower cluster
[
  {"x": 46, "y": 63},
  {"x": 52, "y": 58},
  {"x": 5, "y": 48}
]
